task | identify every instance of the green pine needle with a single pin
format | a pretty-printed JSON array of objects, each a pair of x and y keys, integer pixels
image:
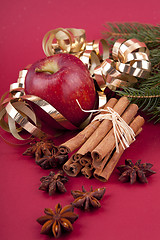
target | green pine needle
[
  {"x": 148, "y": 100},
  {"x": 143, "y": 32}
]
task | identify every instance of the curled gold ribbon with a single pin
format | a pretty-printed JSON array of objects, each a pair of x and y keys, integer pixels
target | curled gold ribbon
[
  {"x": 17, "y": 110},
  {"x": 73, "y": 41},
  {"x": 130, "y": 60},
  {"x": 70, "y": 40},
  {"x": 20, "y": 113}
]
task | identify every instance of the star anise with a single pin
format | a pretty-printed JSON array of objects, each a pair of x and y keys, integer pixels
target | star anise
[
  {"x": 46, "y": 162},
  {"x": 131, "y": 172},
  {"x": 38, "y": 149},
  {"x": 55, "y": 222},
  {"x": 87, "y": 200},
  {"x": 55, "y": 160},
  {"x": 53, "y": 182}
]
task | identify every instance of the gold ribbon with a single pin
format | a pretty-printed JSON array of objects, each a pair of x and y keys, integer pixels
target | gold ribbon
[
  {"x": 16, "y": 109},
  {"x": 20, "y": 113},
  {"x": 73, "y": 41},
  {"x": 130, "y": 60},
  {"x": 69, "y": 40}
]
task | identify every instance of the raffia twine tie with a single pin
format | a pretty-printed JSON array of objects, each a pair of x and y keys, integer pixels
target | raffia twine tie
[{"x": 123, "y": 133}]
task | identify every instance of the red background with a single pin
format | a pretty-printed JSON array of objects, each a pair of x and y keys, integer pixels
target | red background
[{"x": 128, "y": 211}]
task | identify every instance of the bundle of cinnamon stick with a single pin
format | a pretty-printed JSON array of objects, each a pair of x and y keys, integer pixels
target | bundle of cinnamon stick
[{"x": 97, "y": 154}]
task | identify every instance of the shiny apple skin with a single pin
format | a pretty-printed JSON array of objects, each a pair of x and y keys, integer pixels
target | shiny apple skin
[{"x": 61, "y": 89}]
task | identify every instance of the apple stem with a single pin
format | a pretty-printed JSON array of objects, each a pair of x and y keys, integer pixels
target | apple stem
[{"x": 43, "y": 70}]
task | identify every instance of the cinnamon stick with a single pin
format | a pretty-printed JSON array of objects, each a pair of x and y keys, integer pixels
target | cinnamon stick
[
  {"x": 87, "y": 172},
  {"x": 76, "y": 157},
  {"x": 86, "y": 160},
  {"x": 102, "y": 130},
  {"x": 66, "y": 166},
  {"x": 72, "y": 168},
  {"x": 100, "y": 164},
  {"x": 80, "y": 138},
  {"x": 104, "y": 171},
  {"x": 108, "y": 142}
]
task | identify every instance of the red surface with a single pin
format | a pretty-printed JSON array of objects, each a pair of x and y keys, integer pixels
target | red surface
[{"x": 128, "y": 211}]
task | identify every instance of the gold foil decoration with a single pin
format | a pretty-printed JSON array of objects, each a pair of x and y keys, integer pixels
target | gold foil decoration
[
  {"x": 130, "y": 60},
  {"x": 17, "y": 110},
  {"x": 130, "y": 57},
  {"x": 73, "y": 41},
  {"x": 69, "y": 40},
  {"x": 17, "y": 89},
  {"x": 49, "y": 109},
  {"x": 20, "y": 113}
]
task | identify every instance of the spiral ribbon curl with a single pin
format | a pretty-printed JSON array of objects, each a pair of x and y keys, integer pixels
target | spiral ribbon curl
[
  {"x": 18, "y": 110},
  {"x": 130, "y": 60}
]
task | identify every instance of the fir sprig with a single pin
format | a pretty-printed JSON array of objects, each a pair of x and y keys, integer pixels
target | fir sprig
[
  {"x": 147, "y": 92},
  {"x": 143, "y": 32},
  {"x": 149, "y": 96},
  {"x": 155, "y": 115},
  {"x": 152, "y": 81},
  {"x": 148, "y": 99}
]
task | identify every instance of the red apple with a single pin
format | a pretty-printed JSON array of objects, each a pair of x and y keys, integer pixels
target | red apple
[{"x": 60, "y": 80}]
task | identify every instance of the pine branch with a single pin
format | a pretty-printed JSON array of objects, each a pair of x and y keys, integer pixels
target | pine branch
[
  {"x": 143, "y": 32},
  {"x": 146, "y": 93},
  {"x": 155, "y": 57},
  {"x": 155, "y": 115},
  {"x": 148, "y": 99},
  {"x": 152, "y": 81}
]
